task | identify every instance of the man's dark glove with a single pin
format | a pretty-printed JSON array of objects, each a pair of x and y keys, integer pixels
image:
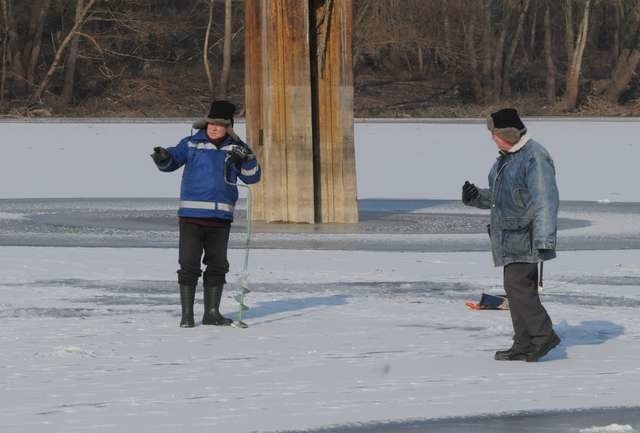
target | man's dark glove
[
  {"x": 239, "y": 154},
  {"x": 469, "y": 192},
  {"x": 160, "y": 155}
]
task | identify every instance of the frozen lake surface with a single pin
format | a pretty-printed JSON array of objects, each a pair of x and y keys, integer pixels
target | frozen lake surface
[
  {"x": 340, "y": 339},
  {"x": 401, "y": 225},
  {"x": 352, "y": 328}
]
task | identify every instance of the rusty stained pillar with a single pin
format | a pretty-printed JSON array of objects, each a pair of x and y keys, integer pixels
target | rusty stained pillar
[
  {"x": 332, "y": 84},
  {"x": 300, "y": 119},
  {"x": 278, "y": 108}
]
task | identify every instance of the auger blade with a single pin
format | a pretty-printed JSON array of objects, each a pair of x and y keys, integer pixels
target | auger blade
[{"x": 239, "y": 324}]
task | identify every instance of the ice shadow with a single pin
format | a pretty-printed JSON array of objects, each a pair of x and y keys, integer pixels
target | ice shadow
[
  {"x": 269, "y": 308},
  {"x": 588, "y": 332}
]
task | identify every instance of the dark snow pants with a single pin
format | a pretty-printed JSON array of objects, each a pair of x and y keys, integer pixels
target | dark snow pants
[
  {"x": 531, "y": 323},
  {"x": 196, "y": 239}
]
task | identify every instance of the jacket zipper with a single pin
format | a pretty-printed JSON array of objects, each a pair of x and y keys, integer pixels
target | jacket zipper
[{"x": 493, "y": 192}]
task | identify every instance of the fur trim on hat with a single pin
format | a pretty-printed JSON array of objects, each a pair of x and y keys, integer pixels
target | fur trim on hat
[
  {"x": 202, "y": 123},
  {"x": 511, "y": 134}
]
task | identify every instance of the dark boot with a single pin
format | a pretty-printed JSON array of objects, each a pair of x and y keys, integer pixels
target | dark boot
[
  {"x": 187, "y": 296},
  {"x": 212, "y": 298},
  {"x": 539, "y": 351},
  {"x": 514, "y": 353}
]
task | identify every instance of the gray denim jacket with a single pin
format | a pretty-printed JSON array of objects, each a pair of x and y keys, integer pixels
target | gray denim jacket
[{"x": 523, "y": 198}]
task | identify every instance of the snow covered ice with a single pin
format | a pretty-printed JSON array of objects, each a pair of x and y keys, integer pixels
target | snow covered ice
[{"x": 352, "y": 328}]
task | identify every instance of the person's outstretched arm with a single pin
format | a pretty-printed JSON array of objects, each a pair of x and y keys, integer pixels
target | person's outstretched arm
[{"x": 172, "y": 158}]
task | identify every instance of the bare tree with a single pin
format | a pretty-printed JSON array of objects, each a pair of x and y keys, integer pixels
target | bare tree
[
  {"x": 618, "y": 34},
  {"x": 470, "y": 48},
  {"x": 5, "y": 41},
  {"x": 14, "y": 50},
  {"x": 575, "y": 67},
  {"x": 498, "y": 62},
  {"x": 487, "y": 42},
  {"x": 508, "y": 63},
  {"x": 205, "y": 49},
  {"x": 70, "y": 70},
  {"x": 629, "y": 57},
  {"x": 548, "y": 56},
  {"x": 569, "y": 38},
  {"x": 38, "y": 15},
  {"x": 37, "y": 95},
  {"x": 226, "y": 52},
  {"x": 532, "y": 37},
  {"x": 447, "y": 25}
]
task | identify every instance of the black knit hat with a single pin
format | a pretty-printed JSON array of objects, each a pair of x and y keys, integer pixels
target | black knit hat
[{"x": 506, "y": 123}]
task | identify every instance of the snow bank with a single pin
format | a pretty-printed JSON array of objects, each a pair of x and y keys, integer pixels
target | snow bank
[{"x": 595, "y": 160}]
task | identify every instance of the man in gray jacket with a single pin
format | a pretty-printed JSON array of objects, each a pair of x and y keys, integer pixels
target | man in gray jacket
[{"x": 523, "y": 199}]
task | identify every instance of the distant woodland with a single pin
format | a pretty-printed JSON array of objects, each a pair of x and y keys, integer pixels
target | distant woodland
[{"x": 169, "y": 58}]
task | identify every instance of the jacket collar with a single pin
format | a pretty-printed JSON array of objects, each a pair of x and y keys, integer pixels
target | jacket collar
[{"x": 520, "y": 144}]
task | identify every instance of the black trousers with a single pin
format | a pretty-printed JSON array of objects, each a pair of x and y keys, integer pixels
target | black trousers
[
  {"x": 196, "y": 239},
  {"x": 531, "y": 323}
]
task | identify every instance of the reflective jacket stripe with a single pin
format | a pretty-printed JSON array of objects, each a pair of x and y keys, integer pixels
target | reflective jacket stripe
[
  {"x": 209, "y": 146},
  {"x": 250, "y": 172},
  {"x": 208, "y": 205}
]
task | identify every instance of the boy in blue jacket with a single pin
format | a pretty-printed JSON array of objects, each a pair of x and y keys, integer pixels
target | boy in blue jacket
[{"x": 214, "y": 158}]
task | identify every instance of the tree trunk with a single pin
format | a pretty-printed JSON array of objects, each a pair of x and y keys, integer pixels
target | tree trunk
[
  {"x": 420, "y": 55},
  {"x": 447, "y": 26},
  {"x": 627, "y": 60},
  {"x": 569, "y": 38},
  {"x": 575, "y": 68},
  {"x": 618, "y": 34},
  {"x": 5, "y": 42},
  {"x": 226, "y": 52},
  {"x": 498, "y": 63},
  {"x": 3, "y": 78},
  {"x": 19, "y": 83},
  {"x": 39, "y": 14},
  {"x": 625, "y": 68},
  {"x": 70, "y": 71},
  {"x": 37, "y": 95},
  {"x": 548, "y": 56},
  {"x": 508, "y": 63},
  {"x": 487, "y": 42},
  {"x": 470, "y": 47},
  {"x": 205, "y": 49},
  {"x": 532, "y": 37}
]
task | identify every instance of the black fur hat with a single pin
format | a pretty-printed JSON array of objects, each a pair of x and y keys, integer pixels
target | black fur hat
[
  {"x": 506, "y": 123},
  {"x": 220, "y": 112}
]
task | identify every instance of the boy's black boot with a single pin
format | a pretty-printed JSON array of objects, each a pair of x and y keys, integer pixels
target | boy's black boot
[
  {"x": 187, "y": 297},
  {"x": 212, "y": 298}
]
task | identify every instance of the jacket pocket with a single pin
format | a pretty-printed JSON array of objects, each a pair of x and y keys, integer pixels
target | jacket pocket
[{"x": 516, "y": 237}]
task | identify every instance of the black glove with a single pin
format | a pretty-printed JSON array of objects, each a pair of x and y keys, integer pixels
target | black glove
[
  {"x": 469, "y": 192},
  {"x": 239, "y": 154},
  {"x": 160, "y": 155}
]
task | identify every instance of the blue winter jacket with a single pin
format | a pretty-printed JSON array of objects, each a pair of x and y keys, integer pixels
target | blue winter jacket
[
  {"x": 204, "y": 192},
  {"x": 523, "y": 198}
]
